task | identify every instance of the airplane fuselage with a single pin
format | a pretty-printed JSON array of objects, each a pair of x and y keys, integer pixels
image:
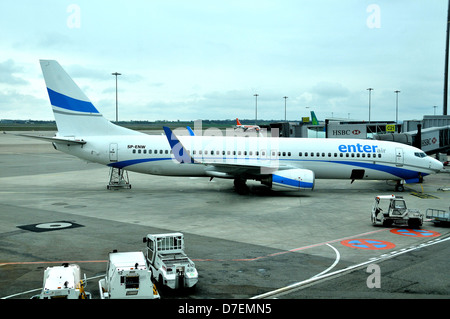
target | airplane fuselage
[{"x": 327, "y": 158}]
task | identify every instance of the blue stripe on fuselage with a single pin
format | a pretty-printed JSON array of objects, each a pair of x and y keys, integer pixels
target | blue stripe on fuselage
[
  {"x": 126, "y": 163},
  {"x": 68, "y": 103},
  {"x": 402, "y": 173}
]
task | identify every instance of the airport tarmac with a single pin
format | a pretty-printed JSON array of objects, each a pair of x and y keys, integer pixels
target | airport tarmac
[{"x": 55, "y": 208}]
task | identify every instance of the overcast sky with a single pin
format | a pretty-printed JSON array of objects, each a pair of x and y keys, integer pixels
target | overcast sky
[{"x": 189, "y": 60}]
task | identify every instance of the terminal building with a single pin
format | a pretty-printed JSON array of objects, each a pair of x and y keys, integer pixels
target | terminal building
[{"x": 431, "y": 134}]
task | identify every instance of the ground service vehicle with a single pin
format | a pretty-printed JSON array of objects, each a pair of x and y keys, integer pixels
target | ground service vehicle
[
  {"x": 391, "y": 210},
  {"x": 127, "y": 277},
  {"x": 169, "y": 264},
  {"x": 63, "y": 282},
  {"x": 438, "y": 216}
]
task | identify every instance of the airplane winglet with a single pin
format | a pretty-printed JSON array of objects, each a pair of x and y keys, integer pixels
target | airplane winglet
[
  {"x": 191, "y": 132},
  {"x": 178, "y": 150}
]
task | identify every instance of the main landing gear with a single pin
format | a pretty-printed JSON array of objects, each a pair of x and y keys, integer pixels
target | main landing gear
[{"x": 240, "y": 186}]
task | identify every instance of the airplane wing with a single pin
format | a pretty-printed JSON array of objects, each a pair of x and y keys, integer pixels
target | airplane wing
[{"x": 219, "y": 166}]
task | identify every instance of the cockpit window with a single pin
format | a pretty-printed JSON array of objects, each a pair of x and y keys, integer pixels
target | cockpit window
[{"x": 420, "y": 154}]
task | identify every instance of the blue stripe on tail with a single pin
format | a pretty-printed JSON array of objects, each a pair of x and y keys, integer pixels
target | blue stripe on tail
[{"x": 68, "y": 103}]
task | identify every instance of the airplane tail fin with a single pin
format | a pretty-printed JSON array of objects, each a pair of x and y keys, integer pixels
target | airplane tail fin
[
  {"x": 74, "y": 113},
  {"x": 237, "y": 122},
  {"x": 314, "y": 120}
]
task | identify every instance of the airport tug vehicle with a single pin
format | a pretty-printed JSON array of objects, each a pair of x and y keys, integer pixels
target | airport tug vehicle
[
  {"x": 63, "y": 282},
  {"x": 170, "y": 265},
  {"x": 391, "y": 210},
  {"x": 127, "y": 277}
]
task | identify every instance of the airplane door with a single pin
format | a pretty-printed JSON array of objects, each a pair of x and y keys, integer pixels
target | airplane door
[
  {"x": 399, "y": 156},
  {"x": 113, "y": 152}
]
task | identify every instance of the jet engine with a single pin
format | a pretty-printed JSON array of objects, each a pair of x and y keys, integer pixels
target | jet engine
[{"x": 294, "y": 179}]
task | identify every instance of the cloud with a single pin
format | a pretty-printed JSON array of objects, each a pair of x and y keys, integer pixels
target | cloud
[
  {"x": 8, "y": 73},
  {"x": 330, "y": 90},
  {"x": 206, "y": 60}
]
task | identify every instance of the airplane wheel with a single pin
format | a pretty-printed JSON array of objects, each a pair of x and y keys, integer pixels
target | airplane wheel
[{"x": 241, "y": 187}]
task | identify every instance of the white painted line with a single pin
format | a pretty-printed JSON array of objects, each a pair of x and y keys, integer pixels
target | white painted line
[
  {"x": 338, "y": 257},
  {"x": 350, "y": 268}
]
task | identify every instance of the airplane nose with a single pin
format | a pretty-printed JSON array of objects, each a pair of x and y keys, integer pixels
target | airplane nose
[{"x": 437, "y": 165}]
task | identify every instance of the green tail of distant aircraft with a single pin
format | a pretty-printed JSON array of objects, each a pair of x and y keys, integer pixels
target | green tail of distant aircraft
[{"x": 314, "y": 120}]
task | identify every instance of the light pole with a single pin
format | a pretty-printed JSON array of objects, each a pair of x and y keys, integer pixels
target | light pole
[
  {"x": 285, "y": 97},
  {"x": 396, "y": 106},
  {"x": 117, "y": 108},
  {"x": 370, "y": 92},
  {"x": 256, "y": 107}
]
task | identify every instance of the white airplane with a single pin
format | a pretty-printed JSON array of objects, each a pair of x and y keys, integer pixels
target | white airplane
[
  {"x": 283, "y": 163},
  {"x": 245, "y": 128}
]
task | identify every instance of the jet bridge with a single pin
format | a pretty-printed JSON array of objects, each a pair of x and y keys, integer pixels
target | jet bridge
[{"x": 431, "y": 140}]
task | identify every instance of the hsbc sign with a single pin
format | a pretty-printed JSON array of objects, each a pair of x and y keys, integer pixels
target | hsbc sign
[
  {"x": 430, "y": 141},
  {"x": 347, "y": 131}
]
